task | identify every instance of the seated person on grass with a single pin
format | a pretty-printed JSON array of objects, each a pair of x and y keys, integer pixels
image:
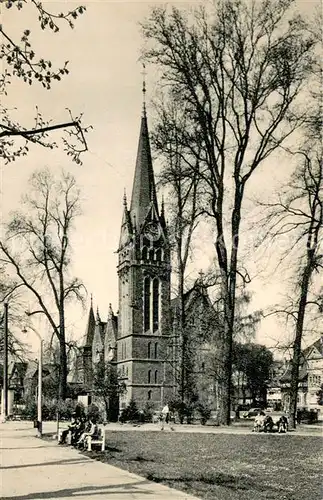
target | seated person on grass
[
  {"x": 259, "y": 422},
  {"x": 268, "y": 424},
  {"x": 282, "y": 424}
]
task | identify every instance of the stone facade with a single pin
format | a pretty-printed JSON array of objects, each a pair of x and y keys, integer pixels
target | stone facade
[{"x": 144, "y": 288}]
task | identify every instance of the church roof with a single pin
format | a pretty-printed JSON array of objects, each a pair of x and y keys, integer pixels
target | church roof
[
  {"x": 197, "y": 291},
  {"x": 144, "y": 189},
  {"x": 287, "y": 376},
  {"x": 317, "y": 345}
]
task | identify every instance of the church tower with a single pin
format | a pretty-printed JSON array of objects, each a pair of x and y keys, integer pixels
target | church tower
[{"x": 144, "y": 332}]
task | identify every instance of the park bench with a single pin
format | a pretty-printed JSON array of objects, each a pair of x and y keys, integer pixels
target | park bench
[{"x": 99, "y": 440}]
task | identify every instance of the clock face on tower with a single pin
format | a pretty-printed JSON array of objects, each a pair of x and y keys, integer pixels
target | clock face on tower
[{"x": 152, "y": 231}]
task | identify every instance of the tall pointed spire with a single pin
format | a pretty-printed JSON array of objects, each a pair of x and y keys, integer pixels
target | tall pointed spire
[
  {"x": 98, "y": 319},
  {"x": 144, "y": 189},
  {"x": 89, "y": 332}
]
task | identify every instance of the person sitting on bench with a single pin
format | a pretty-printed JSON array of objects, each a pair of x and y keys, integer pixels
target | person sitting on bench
[
  {"x": 92, "y": 431},
  {"x": 78, "y": 431},
  {"x": 71, "y": 428}
]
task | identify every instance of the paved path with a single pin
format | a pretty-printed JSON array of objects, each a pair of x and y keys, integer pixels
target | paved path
[{"x": 33, "y": 469}]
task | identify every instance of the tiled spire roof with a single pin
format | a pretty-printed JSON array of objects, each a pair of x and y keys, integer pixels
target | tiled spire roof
[{"x": 143, "y": 190}]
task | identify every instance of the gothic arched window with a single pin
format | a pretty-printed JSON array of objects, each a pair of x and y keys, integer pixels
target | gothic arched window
[
  {"x": 156, "y": 350},
  {"x": 149, "y": 376},
  {"x": 149, "y": 394},
  {"x": 156, "y": 376},
  {"x": 144, "y": 253},
  {"x": 151, "y": 254},
  {"x": 149, "y": 349},
  {"x": 159, "y": 255},
  {"x": 155, "y": 304},
  {"x": 146, "y": 304}
]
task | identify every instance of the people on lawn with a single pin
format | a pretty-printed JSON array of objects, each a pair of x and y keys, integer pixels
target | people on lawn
[
  {"x": 259, "y": 421},
  {"x": 165, "y": 418},
  {"x": 268, "y": 424},
  {"x": 282, "y": 424}
]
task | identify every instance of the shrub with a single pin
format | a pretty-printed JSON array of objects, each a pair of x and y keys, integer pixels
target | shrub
[
  {"x": 204, "y": 412},
  {"x": 130, "y": 413},
  {"x": 49, "y": 410},
  {"x": 148, "y": 411},
  {"x": 94, "y": 413},
  {"x": 30, "y": 410},
  {"x": 79, "y": 410},
  {"x": 66, "y": 409}
]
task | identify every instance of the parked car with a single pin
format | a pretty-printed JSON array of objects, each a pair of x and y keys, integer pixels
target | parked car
[{"x": 251, "y": 413}]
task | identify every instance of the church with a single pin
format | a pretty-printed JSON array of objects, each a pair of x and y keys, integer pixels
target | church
[{"x": 140, "y": 341}]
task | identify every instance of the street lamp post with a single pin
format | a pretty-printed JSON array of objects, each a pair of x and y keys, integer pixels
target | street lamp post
[
  {"x": 4, "y": 405},
  {"x": 40, "y": 382},
  {"x": 40, "y": 388}
]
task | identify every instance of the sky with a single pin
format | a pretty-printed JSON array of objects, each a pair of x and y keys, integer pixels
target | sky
[{"x": 104, "y": 84}]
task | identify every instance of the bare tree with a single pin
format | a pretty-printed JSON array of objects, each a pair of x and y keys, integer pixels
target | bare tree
[
  {"x": 298, "y": 213},
  {"x": 238, "y": 67},
  {"x": 19, "y": 60},
  {"x": 37, "y": 249},
  {"x": 184, "y": 212}
]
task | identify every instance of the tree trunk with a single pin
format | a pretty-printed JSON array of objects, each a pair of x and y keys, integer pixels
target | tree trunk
[
  {"x": 62, "y": 387},
  {"x": 226, "y": 391},
  {"x": 181, "y": 331},
  {"x": 229, "y": 295},
  {"x": 62, "y": 390},
  {"x": 297, "y": 345}
]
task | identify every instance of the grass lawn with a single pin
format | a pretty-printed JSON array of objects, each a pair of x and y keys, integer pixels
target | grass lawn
[{"x": 222, "y": 466}]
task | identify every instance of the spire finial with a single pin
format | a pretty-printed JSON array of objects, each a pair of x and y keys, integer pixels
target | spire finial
[
  {"x": 125, "y": 197},
  {"x": 144, "y": 73},
  {"x": 91, "y": 300}
]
